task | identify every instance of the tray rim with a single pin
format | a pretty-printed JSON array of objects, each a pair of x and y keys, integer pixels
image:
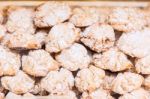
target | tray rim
[{"x": 80, "y": 3}]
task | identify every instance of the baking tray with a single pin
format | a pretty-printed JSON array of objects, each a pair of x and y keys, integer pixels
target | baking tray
[{"x": 102, "y": 4}]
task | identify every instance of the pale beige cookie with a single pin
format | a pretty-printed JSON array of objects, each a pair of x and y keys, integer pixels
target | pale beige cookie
[
  {"x": 20, "y": 19},
  {"x": 136, "y": 94},
  {"x": 19, "y": 84},
  {"x": 135, "y": 43},
  {"x": 2, "y": 32},
  {"x": 74, "y": 58},
  {"x": 51, "y": 13},
  {"x": 89, "y": 79},
  {"x": 1, "y": 15},
  {"x": 97, "y": 94},
  {"x": 62, "y": 36},
  {"x": 84, "y": 16},
  {"x": 37, "y": 89},
  {"x": 142, "y": 65},
  {"x": 127, "y": 19},
  {"x": 38, "y": 63},
  {"x": 9, "y": 62},
  {"x": 112, "y": 59},
  {"x": 24, "y": 40},
  {"x": 41, "y": 35},
  {"x": 104, "y": 13},
  {"x": 58, "y": 82},
  {"x": 2, "y": 95},
  {"x": 126, "y": 82},
  {"x": 107, "y": 81},
  {"x": 98, "y": 37},
  {"x": 147, "y": 82},
  {"x": 147, "y": 15}
]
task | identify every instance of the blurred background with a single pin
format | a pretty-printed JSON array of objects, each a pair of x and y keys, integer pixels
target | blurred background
[{"x": 74, "y": 0}]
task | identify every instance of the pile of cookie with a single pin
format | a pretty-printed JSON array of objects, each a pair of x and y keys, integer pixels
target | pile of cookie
[{"x": 74, "y": 52}]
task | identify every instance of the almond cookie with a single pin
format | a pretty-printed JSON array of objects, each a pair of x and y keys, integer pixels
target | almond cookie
[
  {"x": 20, "y": 19},
  {"x": 51, "y": 13},
  {"x": 58, "y": 82},
  {"x": 19, "y": 84},
  {"x": 98, "y": 37},
  {"x": 135, "y": 43},
  {"x": 127, "y": 19},
  {"x": 99, "y": 93},
  {"x": 89, "y": 79},
  {"x": 38, "y": 63},
  {"x": 9, "y": 62},
  {"x": 142, "y": 65},
  {"x": 62, "y": 36},
  {"x": 24, "y": 40},
  {"x": 84, "y": 16},
  {"x": 113, "y": 60},
  {"x": 136, "y": 94},
  {"x": 74, "y": 58},
  {"x": 126, "y": 82},
  {"x": 147, "y": 82},
  {"x": 1, "y": 15},
  {"x": 2, "y": 32}
]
